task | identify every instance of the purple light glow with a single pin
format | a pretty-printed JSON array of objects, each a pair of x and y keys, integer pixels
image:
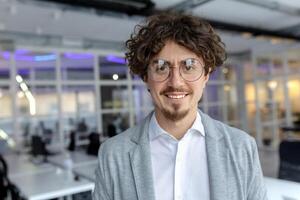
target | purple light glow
[
  {"x": 77, "y": 56},
  {"x": 115, "y": 59},
  {"x": 6, "y": 55},
  {"x": 24, "y": 58},
  {"x": 23, "y": 72},
  {"x": 45, "y": 58},
  {"x": 20, "y": 55},
  {"x": 21, "y": 51}
]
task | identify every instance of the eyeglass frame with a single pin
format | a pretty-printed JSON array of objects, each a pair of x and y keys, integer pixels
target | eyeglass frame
[{"x": 149, "y": 68}]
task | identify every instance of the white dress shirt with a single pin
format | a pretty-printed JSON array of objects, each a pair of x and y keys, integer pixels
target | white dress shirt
[{"x": 179, "y": 166}]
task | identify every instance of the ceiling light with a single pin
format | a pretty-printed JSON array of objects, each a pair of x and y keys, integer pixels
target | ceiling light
[
  {"x": 115, "y": 77},
  {"x": 225, "y": 70},
  {"x": 4, "y": 136},
  {"x": 32, "y": 102},
  {"x": 272, "y": 85},
  {"x": 246, "y": 35},
  {"x": 227, "y": 88},
  {"x": 45, "y": 57},
  {"x": 24, "y": 87},
  {"x": 276, "y": 41},
  {"x": 20, "y": 94},
  {"x": 19, "y": 78}
]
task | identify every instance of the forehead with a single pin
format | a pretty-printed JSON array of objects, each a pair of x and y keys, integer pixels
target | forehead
[{"x": 173, "y": 51}]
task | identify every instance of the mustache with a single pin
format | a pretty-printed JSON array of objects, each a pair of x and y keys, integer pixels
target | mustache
[{"x": 173, "y": 89}]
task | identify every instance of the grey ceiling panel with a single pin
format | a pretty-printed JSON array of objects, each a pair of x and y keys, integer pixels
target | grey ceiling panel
[{"x": 244, "y": 14}]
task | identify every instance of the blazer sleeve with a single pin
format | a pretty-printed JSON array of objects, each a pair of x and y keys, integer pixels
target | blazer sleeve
[
  {"x": 101, "y": 190},
  {"x": 256, "y": 187}
]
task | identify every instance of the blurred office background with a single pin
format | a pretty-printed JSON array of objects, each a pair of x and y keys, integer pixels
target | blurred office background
[{"x": 63, "y": 73}]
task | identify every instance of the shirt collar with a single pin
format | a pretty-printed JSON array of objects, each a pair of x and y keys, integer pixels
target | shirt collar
[
  {"x": 155, "y": 130},
  {"x": 198, "y": 125}
]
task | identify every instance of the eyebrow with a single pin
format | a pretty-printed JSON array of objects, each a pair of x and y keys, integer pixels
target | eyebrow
[{"x": 156, "y": 60}]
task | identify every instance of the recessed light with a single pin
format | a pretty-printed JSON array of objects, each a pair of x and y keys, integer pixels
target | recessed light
[{"x": 115, "y": 77}]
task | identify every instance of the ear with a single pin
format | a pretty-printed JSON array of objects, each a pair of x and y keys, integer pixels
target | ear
[
  {"x": 144, "y": 78},
  {"x": 206, "y": 78}
]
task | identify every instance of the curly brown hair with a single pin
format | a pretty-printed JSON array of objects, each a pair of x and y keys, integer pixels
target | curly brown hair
[{"x": 189, "y": 31}]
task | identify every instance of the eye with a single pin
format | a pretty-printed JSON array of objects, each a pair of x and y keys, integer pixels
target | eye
[
  {"x": 161, "y": 66},
  {"x": 190, "y": 64}
]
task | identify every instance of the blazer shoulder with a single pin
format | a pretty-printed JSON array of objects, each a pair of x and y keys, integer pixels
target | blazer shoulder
[
  {"x": 235, "y": 136},
  {"x": 119, "y": 143}
]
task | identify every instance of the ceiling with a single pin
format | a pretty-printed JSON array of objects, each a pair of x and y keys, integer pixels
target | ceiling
[{"x": 258, "y": 25}]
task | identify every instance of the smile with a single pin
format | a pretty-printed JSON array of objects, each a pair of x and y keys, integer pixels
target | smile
[{"x": 176, "y": 96}]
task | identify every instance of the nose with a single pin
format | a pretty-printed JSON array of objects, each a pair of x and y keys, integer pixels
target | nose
[{"x": 175, "y": 78}]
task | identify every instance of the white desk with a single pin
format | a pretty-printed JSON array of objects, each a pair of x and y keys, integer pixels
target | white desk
[
  {"x": 51, "y": 184},
  {"x": 282, "y": 190},
  {"x": 19, "y": 165},
  {"x": 78, "y": 158},
  {"x": 86, "y": 170}
]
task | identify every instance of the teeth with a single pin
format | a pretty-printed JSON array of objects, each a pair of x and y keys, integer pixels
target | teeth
[{"x": 176, "y": 96}]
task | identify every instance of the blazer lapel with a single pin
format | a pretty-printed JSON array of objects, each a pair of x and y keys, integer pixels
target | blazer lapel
[
  {"x": 140, "y": 158},
  {"x": 217, "y": 159}
]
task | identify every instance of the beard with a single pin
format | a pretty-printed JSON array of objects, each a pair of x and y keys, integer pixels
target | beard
[{"x": 175, "y": 114}]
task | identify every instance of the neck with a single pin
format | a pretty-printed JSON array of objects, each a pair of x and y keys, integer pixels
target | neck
[{"x": 176, "y": 128}]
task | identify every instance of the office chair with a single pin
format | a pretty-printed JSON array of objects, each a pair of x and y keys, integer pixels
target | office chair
[
  {"x": 72, "y": 143},
  {"x": 38, "y": 147},
  {"x": 94, "y": 144},
  {"x": 289, "y": 166},
  {"x": 111, "y": 130}
]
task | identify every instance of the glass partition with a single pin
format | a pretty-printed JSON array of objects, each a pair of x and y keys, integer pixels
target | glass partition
[
  {"x": 32, "y": 65},
  {"x": 114, "y": 97},
  {"x": 294, "y": 66},
  {"x": 6, "y": 122},
  {"x": 115, "y": 123},
  {"x": 4, "y": 65},
  {"x": 142, "y": 101},
  {"x": 112, "y": 68},
  {"x": 293, "y": 85},
  {"x": 214, "y": 92},
  {"x": 78, "y": 108},
  {"x": 77, "y": 66},
  {"x": 216, "y": 112}
]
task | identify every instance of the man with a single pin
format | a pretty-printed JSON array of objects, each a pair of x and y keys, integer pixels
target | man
[{"x": 178, "y": 152}]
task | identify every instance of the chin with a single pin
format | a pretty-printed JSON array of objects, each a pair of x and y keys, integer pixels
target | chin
[{"x": 175, "y": 115}]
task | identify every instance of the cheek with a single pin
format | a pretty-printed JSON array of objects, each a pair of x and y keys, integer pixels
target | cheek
[{"x": 154, "y": 91}]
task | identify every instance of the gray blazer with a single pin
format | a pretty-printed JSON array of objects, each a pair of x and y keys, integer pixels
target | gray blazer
[{"x": 125, "y": 171}]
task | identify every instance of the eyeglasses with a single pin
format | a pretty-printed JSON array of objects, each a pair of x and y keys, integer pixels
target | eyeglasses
[{"x": 190, "y": 69}]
